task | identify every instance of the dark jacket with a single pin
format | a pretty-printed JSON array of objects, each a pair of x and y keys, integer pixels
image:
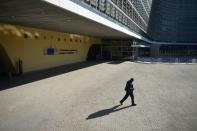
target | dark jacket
[{"x": 129, "y": 87}]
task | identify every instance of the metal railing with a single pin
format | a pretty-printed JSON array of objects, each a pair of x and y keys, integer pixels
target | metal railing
[{"x": 168, "y": 59}]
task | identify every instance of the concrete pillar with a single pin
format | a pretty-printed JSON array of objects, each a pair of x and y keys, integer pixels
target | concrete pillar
[{"x": 154, "y": 51}]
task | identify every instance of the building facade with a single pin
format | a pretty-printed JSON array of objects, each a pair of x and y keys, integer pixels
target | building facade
[
  {"x": 174, "y": 22},
  {"x": 40, "y": 49},
  {"x": 132, "y": 14},
  {"x": 169, "y": 26}
]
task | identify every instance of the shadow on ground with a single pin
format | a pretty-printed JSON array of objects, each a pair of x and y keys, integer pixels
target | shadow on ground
[
  {"x": 43, "y": 74},
  {"x": 105, "y": 112},
  {"x": 116, "y": 62}
]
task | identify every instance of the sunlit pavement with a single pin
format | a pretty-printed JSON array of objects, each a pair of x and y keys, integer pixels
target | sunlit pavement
[{"x": 88, "y": 100}]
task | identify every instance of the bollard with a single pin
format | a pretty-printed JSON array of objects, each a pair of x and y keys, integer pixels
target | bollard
[
  {"x": 193, "y": 60},
  {"x": 159, "y": 60},
  {"x": 9, "y": 75},
  {"x": 176, "y": 60}
]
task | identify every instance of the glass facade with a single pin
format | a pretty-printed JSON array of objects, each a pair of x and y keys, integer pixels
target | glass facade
[
  {"x": 178, "y": 50},
  {"x": 133, "y": 14},
  {"x": 173, "y": 21}
]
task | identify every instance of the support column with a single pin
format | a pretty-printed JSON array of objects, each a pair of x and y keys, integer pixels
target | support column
[{"x": 155, "y": 49}]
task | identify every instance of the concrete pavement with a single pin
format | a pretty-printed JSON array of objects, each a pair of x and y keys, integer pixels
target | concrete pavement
[{"x": 88, "y": 100}]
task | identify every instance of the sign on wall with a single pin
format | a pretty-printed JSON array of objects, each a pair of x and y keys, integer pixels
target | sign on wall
[{"x": 55, "y": 51}]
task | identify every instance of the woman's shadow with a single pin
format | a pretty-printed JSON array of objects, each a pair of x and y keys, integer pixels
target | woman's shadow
[{"x": 106, "y": 112}]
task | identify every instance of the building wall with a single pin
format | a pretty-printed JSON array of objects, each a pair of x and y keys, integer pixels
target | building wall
[
  {"x": 173, "y": 21},
  {"x": 30, "y": 45}
]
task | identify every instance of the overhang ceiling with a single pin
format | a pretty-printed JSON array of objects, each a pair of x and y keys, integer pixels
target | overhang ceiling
[{"x": 39, "y": 14}]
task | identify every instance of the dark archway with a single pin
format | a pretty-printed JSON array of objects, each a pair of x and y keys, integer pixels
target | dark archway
[
  {"x": 95, "y": 52},
  {"x": 6, "y": 65},
  {"x": 99, "y": 52}
]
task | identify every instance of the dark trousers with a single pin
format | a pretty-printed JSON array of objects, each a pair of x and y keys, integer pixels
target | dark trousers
[{"x": 126, "y": 96}]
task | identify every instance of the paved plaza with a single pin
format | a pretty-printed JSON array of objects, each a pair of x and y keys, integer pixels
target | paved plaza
[{"x": 87, "y": 99}]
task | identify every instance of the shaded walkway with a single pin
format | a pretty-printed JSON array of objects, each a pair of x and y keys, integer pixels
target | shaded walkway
[{"x": 43, "y": 74}]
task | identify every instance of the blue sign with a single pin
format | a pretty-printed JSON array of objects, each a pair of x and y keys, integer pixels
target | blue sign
[{"x": 50, "y": 51}]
